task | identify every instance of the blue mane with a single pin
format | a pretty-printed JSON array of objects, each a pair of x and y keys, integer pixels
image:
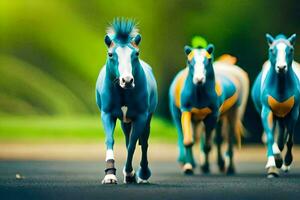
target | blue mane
[{"x": 123, "y": 30}]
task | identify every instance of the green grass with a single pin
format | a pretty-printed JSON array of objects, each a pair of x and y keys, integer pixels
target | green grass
[{"x": 72, "y": 129}]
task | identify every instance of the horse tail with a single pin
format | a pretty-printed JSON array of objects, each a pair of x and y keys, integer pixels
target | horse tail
[
  {"x": 229, "y": 59},
  {"x": 244, "y": 84}
]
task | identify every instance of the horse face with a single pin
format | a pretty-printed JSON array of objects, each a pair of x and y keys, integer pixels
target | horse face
[
  {"x": 123, "y": 59},
  {"x": 198, "y": 62},
  {"x": 281, "y": 52}
]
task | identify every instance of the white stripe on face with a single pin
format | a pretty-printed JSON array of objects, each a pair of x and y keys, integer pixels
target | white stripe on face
[
  {"x": 124, "y": 61},
  {"x": 199, "y": 68},
  {"x": 281, "y": 63}
]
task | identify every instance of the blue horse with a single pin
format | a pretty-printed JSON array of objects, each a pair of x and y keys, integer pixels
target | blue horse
[
  {"x": 126, "y": 90},
  {"x": 276, "y": 96},
  {"x": 207, "y": 92}
]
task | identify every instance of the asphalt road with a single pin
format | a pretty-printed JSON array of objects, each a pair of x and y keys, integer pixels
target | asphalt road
[{"x": 82, "y": 180}]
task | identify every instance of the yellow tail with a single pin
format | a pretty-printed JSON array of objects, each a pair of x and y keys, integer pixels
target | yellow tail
[{"x": 228, "y": 59}]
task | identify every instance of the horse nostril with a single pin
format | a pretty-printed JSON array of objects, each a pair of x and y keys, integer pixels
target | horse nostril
[
  {"x": 131, "y": 81},
  {"x": 123, "y": 80}
]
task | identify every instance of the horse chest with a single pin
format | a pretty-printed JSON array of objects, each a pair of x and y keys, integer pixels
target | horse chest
[
  {"x": 281, "y": 108},
  {"x": 200, "y": 113},
  {"x": 125, "y": 118}
]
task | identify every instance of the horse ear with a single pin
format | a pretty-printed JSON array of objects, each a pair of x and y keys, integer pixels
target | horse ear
[
  {"x": 292, "y": 39},
  {"x": 210, "y": 48},
  {"x": 137, "y": 39},
  {"x": 269, "y": 38},
  {"x": 187, "y": 49},
  {"x": 107, "y": 41}
]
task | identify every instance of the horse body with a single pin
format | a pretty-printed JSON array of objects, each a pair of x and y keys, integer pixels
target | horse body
[
  {"x": 126, "y": 90},
  {"x": 190, "y": 104},
  {"x": 276, "y": 97}
]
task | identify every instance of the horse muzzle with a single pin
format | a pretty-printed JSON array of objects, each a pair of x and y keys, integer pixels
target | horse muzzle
[{"x": 127, "y": 82}]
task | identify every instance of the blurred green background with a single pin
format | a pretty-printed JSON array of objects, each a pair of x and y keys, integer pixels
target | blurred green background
[{"x": 51, "y": 53}]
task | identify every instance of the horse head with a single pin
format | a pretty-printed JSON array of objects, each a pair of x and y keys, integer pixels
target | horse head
[
  {"x": 199, "y": 61},
  {"x": 281, "y": 52},
  {"x": 122, "y": 40}
]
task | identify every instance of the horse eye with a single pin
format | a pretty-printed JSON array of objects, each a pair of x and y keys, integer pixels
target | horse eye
[
  {"x": 137, "y": 53},
  {"x": 110, "y": 55}
]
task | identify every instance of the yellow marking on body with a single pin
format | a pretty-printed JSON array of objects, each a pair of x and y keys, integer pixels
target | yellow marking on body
[
  {"x": 186, "y": 124},
  {"x": 179, "y": 85},
  {"x": 207, "y": 55},
  {"x": 228, "y": 59},
  {"x": 200, "y": 113},
  {"x": 270, "y": 120},
  {"x": 191, "y": 55},
  {"x": 218, "y": 87},
  {"x": 228, "y": 103},
  {"x": 281, "y": 109}
]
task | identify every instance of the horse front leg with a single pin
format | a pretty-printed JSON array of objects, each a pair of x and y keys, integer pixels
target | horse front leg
[
  {"x": 109, "y": 124},
  {"x": 219, "y": 142},
  {"x": 144, "y": 173},
  {"x": 188, "y": 141},
  {"x": 138, "y": 126},
  {"x": 210, "y": 123},
  {"x": 288, "y": 159},
  {"x": 269, "y": 125}
]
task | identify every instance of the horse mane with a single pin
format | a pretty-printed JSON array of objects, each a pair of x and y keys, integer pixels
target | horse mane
[{"x": 122, "y": 30}]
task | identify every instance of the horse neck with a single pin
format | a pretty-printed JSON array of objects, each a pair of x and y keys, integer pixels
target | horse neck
[{"x": 281, "y": 81}]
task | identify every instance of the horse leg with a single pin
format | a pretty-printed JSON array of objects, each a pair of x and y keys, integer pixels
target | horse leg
[
  {"x": 281, "y": 135},
  {"x": 219, "y": 141},
  {"x": 138, "y": 126},
  {"x": 109, "y": 124},
  {"x": 230, "y": 169},
  {"x": 126, "y": 127},
  {"x": 268, "y": 124},
  {"x": 176, "y": 115},
  {"x": 290, "y": 140},
  {"x": 144, "y": 173},
  {"x": 288, "y": 159},
  {"x": 188, "y": 141},
  {"x": 210, "y": 123}
]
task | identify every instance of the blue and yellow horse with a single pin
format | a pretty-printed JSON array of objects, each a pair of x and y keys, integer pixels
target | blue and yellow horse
[
  {"x": 208, "y": 92},
  {"x": 276, "y": 95},
  {"x": 126, "y": 90}
]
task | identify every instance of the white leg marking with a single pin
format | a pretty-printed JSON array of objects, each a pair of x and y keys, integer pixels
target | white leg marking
[
  {"x": 275, "y": 148},
  {"x": 131, "y": 174},
  {"x": 110, "y": 179},
  {"x": 285, "y": 168},
  {"x": 124, "y": 111},
  {"x": 271, "y": 162},
  {"x": 109, "y": 155}
]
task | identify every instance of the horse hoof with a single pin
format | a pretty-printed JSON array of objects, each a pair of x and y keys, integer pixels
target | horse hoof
[
  {"x": 143, "y": 173},
  {"x": 188, "y": 169},
  {"x": 205, "y": 169},
  {"x": 221, "y": 164},
  {"x": 230, "y": 170},
  {"x": 273, "y": 172},
  {"x": 285, "y": 168},
  {"x": 110, "y": 179},
  {"x": 129, "y": 177},
  {"x": 142, "y": 181},
  {"x": 278, "y": 160}
]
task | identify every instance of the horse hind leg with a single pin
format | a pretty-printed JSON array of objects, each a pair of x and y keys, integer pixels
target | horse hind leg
[{"x": 144, "y": 173}]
